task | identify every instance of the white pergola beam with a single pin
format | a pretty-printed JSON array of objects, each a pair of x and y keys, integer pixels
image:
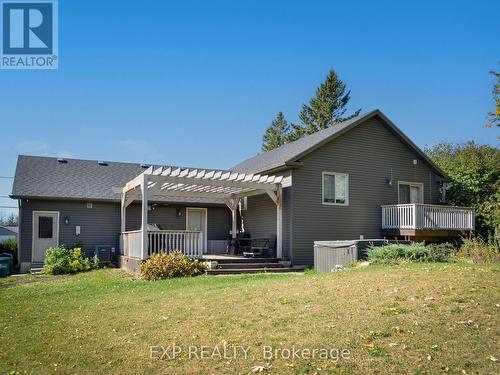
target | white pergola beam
[
  {"x": 214, "y": 182},
  {"x": 201, "y": 183}
]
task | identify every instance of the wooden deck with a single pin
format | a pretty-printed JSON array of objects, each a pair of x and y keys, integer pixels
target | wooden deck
[
  {"x": 429, "y": 235},
  {"x": 426, "y": 221}
]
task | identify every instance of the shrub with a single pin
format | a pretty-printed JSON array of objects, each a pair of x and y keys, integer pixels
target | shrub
[
  {"x": 397, "y": 253},
  {"x": 61, "y": 260},
  {"x": 417, "y": 252},
  {"x": 165, "y": 266},
  {"x": 9, "y": 246},
  {"x": 478, "y": 250},
  {"x": 442, "y": 252}
]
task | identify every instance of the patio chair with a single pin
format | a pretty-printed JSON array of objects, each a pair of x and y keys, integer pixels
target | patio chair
[
  {"x": 264, "y": 247},
  {"x": 244, "y": 242}
]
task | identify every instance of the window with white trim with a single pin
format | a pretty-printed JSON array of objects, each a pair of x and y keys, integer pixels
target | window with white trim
[
  {"x": 335, "y": 188},
  {"x": 410, "y": 192}
]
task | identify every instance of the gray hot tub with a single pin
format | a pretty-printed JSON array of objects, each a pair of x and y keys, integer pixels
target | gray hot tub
[{"x": 328, "y": 254}]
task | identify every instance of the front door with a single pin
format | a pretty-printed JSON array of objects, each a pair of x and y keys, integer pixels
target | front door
[
  {"x": 196, "y": 219},
  {"x": 45, "y": 233}
]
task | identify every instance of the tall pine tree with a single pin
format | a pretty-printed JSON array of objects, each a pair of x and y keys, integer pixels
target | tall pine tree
[
  {"x": 327, "y": 108},
  {"x": 494, "y": 116},
  {"x": 276, "y": 134}
]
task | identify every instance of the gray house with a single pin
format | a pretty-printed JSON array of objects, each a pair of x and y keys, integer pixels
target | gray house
[{"x": 362, "y": 178}]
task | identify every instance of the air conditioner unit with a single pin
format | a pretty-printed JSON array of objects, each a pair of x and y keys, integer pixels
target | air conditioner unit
[{"x": 104, "y": 253}]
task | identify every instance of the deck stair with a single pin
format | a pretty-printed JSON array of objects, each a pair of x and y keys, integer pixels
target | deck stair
[
  {"x": 36, "y": 269},
  {"x": 242, "y": 265}
]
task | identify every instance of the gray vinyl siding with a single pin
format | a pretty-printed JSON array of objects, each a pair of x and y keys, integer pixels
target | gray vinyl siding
[
  {"x": 370, "y": 153},
  {"x": 100, "y": 225}
]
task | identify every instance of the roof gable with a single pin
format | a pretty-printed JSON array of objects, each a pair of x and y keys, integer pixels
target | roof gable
[{"x": 291, "y": 153}]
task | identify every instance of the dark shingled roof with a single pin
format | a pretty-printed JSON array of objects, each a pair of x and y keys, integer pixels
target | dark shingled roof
[
  {"x": 46, "y": 177},
  {"x": 292, "y": 152}
]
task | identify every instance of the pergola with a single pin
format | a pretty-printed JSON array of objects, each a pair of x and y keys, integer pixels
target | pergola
[{"x": 201, "y": 183}]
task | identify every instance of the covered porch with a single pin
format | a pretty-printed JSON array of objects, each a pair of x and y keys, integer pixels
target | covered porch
[{"x": 162, "y": 182}]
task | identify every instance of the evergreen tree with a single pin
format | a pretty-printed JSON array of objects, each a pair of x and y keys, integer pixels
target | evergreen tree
[
  {"x": 276, "y": 134},
  {"x": 494, "y": 116},
  {"x": 327, "y": 108}
]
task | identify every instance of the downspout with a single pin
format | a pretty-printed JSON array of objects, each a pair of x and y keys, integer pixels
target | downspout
[{"x": 19, "y": 211}]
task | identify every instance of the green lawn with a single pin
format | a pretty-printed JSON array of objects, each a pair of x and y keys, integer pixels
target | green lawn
[{"x": 427, "y": 318}]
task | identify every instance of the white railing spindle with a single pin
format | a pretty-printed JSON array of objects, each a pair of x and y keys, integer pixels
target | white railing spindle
[{"x": 427, "y": 216}]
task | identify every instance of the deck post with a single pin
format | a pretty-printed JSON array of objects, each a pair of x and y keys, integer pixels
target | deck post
[
  {"x": 144, "y": 224},
  {"x": 279, "y": 224},
  {"x": 414, "y": 213}
]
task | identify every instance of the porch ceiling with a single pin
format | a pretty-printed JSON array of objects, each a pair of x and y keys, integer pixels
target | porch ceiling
[{"x": 189, "y": 182}]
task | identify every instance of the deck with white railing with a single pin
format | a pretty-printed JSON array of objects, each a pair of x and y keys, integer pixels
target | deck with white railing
[
  {"x": 427, "y": 217},
  {"x": 189, "y": 242}
]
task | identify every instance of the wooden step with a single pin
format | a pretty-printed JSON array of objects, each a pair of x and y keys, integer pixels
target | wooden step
[
  {"x": 221, "y": 271},
  {"x": 242, "y": 260},
  {"x": 248, "y": 265},
  {"x": 36, "y": 270}
]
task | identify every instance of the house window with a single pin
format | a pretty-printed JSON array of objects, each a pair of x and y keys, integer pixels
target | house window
[
  {"x": 45, "y": 226},
  {"x": 410, "y": 192},
  {"x": 335, "y": 188}
]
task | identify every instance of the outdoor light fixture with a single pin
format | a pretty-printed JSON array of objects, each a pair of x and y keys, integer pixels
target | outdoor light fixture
[
  {"x": 388, "y": 180},
  {"x": 179, "y": 212},
  {"x": 66, "y": 220}
]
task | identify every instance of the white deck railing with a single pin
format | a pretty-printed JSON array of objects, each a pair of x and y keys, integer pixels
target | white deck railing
[
  {"x": 190, "y": 243},
  {"x": 132, "y": 243},
  {"x": 427, "y": 216}
]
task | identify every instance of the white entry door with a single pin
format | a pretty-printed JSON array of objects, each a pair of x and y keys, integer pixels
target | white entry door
[
  {"x": 196, "y": 219},
  {"x": 45, "y": 233}
]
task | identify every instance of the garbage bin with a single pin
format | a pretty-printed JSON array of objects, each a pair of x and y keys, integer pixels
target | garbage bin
[
  {"x": 9, "y": 255},
  {"x": 6, "y": 262}
]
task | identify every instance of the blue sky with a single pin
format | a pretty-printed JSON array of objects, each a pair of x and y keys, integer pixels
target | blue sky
[{"x": 196, "y": 83}]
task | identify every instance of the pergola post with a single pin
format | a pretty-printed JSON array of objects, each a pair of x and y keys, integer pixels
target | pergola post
[
  {"x": 234, "y": 223},
  {"x": 144, "y": 223},
  {"x": 123, "y": 216},
  {"x": 232, "y": 204},
  {"x": 279, "y": 222}
]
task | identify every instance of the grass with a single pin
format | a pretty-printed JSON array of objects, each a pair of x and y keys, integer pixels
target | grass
[{"x": 414, "y": 318}]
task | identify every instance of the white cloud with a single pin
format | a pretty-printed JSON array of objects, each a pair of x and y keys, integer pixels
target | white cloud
[
  {"x": 140, "y": 149},
  {"x": 64, "y": 154},
  {"x": 41, "y": 149},
  {"x": 32, "y": 148}
]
